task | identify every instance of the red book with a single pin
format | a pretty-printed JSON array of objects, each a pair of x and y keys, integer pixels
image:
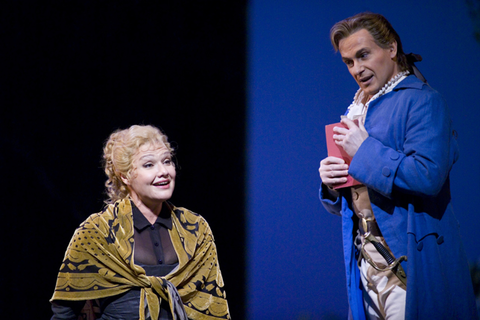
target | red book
[{"x": 336, "y": 151}]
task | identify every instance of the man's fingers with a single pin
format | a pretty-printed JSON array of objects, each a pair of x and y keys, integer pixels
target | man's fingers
[{"x": 349, "y": 123}]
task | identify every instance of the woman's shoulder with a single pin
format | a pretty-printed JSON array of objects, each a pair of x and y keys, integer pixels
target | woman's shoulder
[
  {"x": 121, "y": 209},
  {"x": 179, "y": 211},
  {"x": 188, "y": 217}
]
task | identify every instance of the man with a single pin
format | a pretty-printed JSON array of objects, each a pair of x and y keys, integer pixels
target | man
[{"x": 402, "y": 248}]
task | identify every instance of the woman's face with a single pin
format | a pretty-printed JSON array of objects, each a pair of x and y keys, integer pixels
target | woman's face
[{"x": 153, "y": 176}]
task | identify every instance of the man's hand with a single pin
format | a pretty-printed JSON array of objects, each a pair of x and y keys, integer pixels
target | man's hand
[
  {"x": 333, "y": 171},
  {"x": 352, "y": 138}
]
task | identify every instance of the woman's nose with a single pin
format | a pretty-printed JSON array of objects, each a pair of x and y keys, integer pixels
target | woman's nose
[{"x": 162, "y": 170}]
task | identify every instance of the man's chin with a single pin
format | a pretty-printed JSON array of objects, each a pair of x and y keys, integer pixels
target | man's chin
[{"x": 370, "y": 91}]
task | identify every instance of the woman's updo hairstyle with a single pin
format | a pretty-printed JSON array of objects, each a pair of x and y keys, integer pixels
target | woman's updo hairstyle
[{"x": 118, "y": 154}]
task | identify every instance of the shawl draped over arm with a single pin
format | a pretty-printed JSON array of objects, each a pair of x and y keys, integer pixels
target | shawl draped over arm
[{"x": 99, "y": 263}]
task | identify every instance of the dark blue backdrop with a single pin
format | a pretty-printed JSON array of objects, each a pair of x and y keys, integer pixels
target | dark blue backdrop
[{"x": 297, "y": 85}]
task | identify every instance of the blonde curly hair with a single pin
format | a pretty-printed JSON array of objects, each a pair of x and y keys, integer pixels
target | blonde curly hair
[{"x": 118, "y": 153}]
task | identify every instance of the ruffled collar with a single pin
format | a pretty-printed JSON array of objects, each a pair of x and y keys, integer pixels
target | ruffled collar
[{"x": 358, "y": 109}]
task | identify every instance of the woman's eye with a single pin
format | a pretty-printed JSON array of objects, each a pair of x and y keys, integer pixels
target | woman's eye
[
  {"x": 167, "y": 161},
  {"x": 148, "y": 165}
]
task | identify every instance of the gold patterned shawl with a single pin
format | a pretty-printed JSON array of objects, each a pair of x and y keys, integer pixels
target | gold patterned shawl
[{"x": 99, "y": 263}]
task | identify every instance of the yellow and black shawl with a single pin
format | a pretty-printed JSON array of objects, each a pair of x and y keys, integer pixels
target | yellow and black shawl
[{"x": 99, "y": 263}]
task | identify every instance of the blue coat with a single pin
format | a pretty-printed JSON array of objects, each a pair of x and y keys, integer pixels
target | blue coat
[{"x": 405, "y": 163}]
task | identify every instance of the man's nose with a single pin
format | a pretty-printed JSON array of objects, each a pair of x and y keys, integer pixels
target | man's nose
[{"x": 358, "y": 68}]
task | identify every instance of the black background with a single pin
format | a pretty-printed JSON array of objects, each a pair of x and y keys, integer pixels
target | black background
[{"x": 73, "y": 72}]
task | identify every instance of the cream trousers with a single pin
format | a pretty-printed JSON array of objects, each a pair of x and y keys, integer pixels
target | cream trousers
[{"x": 384, "y": 295}]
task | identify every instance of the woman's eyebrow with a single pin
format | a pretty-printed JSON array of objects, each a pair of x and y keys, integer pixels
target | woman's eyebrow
[{"x": 152, "y": 155}]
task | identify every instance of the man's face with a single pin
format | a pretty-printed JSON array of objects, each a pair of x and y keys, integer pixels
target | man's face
[{"x": 370, "y": 65}]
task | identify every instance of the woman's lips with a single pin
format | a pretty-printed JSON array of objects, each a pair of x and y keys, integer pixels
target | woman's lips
[{"x": 162, "y": 183}]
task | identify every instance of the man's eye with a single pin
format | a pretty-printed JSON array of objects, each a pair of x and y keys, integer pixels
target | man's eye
[{"x": 363, "y": 55}]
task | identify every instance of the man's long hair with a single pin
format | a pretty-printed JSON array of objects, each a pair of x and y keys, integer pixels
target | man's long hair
[{"x": 380, "y": 29}]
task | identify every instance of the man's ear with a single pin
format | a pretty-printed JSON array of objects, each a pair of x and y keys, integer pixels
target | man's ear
[{"x": 393, "y": 49}]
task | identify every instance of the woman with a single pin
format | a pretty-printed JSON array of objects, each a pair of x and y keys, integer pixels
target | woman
[{"x": 141, "y": 257}]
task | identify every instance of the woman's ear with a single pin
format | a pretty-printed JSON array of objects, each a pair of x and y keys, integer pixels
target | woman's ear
[{"x": 125, "y": 180}]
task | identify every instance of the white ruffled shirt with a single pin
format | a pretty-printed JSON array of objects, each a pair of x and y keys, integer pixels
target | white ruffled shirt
[{"x": 358, "y": 110}]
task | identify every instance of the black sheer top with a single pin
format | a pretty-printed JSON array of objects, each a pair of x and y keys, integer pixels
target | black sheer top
[{"x": 153, "y": 250}]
